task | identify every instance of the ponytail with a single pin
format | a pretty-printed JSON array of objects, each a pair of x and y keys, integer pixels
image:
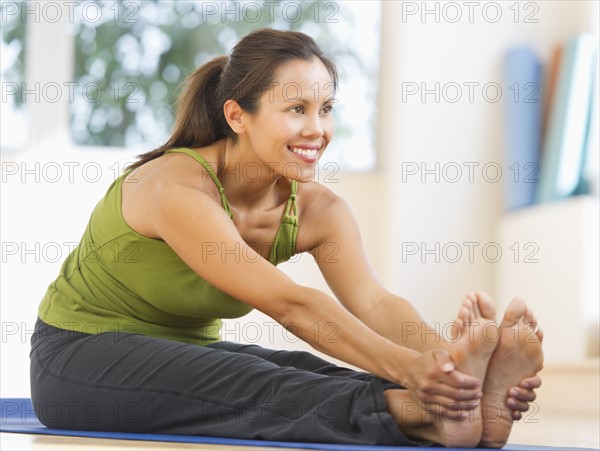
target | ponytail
[
  {"x": 200, "y": 120},
  {"x": 243, "y": 77}
]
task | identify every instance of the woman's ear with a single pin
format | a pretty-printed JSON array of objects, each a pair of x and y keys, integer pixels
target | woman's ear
[{"x": 234, "y": 115}]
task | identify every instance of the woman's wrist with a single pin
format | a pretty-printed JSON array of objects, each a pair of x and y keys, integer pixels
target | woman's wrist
[{"x": 397, "y": 361}]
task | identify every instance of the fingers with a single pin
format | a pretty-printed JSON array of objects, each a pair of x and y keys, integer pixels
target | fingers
[
  {"x": 460, "y": 380},
  {"x": 454, "y": 381},
  {"x": 454, "y": 395},
  {"x": 438, "y": 383},
  {"x": 531, "y": 382},
  {"x": 444, "y": 361},
  {"x": 522, "y": 394},
  {"x": 520, "y": 397},
  {"x": 430, "y": 391},
  {"x": 514, "y": 404},
  {"x": 453, "y": 384}
]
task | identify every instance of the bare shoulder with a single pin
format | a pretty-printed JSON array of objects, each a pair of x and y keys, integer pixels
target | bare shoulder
[
  {"x": 321, "y": 212},
  {"x": 157, "y": 181},
  {"x": 171, "y": 170}
]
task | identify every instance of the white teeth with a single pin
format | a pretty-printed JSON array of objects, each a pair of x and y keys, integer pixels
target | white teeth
[{"x": 307, "y": 153}]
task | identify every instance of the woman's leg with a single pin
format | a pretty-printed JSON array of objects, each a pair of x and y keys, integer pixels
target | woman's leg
[
  {"x": 301, "y": 360},
  {"x": 135, "y": 383}
]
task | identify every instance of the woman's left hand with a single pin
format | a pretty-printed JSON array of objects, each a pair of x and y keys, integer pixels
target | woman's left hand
[{"x": 519, "y": 397}]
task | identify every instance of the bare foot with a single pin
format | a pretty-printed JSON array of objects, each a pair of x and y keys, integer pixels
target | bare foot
[
  {"x": 517, "y": 356},
  {"x": 486, "y": 304},
  {"x": 473, "y": 341},
  {"x": 523, "y": 393}
]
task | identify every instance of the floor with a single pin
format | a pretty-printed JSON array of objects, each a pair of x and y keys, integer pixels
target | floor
[
  {"x": 41, "y": 442},
  {"x": 567, "y": 413}
]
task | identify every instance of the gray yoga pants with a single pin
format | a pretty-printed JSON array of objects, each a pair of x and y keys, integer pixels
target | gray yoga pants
[{"x": 123, "y": 382}]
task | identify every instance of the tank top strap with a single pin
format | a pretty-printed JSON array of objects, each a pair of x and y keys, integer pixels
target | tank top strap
[
  {"x": 291, "y": 203},
  {"x": 209, "y": 167},
  {"x": 284, "y": 246}
]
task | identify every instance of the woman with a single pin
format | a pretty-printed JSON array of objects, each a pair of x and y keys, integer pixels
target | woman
[{"x": 128, "y": 334}]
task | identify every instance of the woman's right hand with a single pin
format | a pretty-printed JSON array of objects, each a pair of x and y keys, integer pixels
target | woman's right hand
[{"x": 433, "y": 379}]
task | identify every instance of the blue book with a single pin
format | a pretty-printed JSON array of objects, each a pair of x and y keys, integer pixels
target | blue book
[
  {"x": 591, "y": 136},
  {"x": 565, "y": 142},
  {"x": 523, "y": 109}
]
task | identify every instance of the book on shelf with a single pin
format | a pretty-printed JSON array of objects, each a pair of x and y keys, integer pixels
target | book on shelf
[
  {"x": 523, "y": 76},
  {"x": 565, "y": 141},
  {"x": 551, "y": 121}
]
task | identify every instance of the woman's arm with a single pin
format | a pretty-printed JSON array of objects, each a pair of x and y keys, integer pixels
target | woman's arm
[
  {"x": 191, "y": 222},
  {"x": 341, "y": 258},
  {"x": 344, "y": 265}
]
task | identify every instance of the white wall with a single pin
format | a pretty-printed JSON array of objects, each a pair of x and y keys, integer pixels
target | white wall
[
  {"x": 390, "y": 212},
  {"x": 421, "y": 50}
]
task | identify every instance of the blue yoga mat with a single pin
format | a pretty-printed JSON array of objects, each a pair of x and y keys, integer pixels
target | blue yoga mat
[{"x": 18, "y": 417}]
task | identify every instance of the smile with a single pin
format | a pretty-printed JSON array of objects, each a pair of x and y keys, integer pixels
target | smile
[{"x": 311, "y": 153}]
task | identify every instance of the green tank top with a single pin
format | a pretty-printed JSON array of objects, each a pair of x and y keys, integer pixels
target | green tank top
[{"x": 119, "y": 280}]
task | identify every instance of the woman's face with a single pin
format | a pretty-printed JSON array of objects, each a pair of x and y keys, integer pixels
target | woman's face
[{"x": 294, "y": 122}]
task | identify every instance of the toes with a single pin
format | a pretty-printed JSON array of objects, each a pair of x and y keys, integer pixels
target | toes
[
  {"x": 463, "y": 314},
  {"x": 471, "y": 313},
  {"x": 529, "y": 317},
  {"x": 533, "y": 322},
  {"x": 476, "y": 310},
  {"x": 472, "y": 296},
  {"x": 532, "y": 330},
  {"x": 486, "y": 305},
  {"x": 467, "y": 305},
  {"x": 515, "y": 311},
  {"x": 459, "y": 324},
  {"x": 455, "y": 330}
]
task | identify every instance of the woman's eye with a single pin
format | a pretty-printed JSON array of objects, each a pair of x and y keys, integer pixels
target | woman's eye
[
  {"x": 297, "y": 109},
  {"x": 327, "y": 109}
]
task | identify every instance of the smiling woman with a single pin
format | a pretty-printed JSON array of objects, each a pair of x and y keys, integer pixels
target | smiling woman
[
  {"x": 163, "y": 40},
  {"x": 304, "y": 120},
  {"x": 256, "y": 97},
  {"x": 186, "y": 237}
]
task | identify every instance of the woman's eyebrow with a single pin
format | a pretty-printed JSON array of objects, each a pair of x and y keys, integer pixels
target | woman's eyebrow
[{"x": 308, "y": 100}]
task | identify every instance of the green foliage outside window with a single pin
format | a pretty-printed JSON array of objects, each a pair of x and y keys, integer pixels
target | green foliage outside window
[{"x": 131, "y": 57}]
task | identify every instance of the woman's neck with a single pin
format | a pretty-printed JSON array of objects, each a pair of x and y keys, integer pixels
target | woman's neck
[{"x": 250, "y": 184}]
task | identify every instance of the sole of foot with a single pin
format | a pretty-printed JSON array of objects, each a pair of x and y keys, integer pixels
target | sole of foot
[
  {"x": 518, "y": 355},
  {"x": 474, "y": 339}
]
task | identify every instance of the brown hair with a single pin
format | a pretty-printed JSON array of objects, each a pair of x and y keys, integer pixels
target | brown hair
[{"x": 243, "y": 77}]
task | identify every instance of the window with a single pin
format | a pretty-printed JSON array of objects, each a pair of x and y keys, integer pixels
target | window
[
  {"x": 131, "y": 56},
  {"x": 12, "y": 41}
]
